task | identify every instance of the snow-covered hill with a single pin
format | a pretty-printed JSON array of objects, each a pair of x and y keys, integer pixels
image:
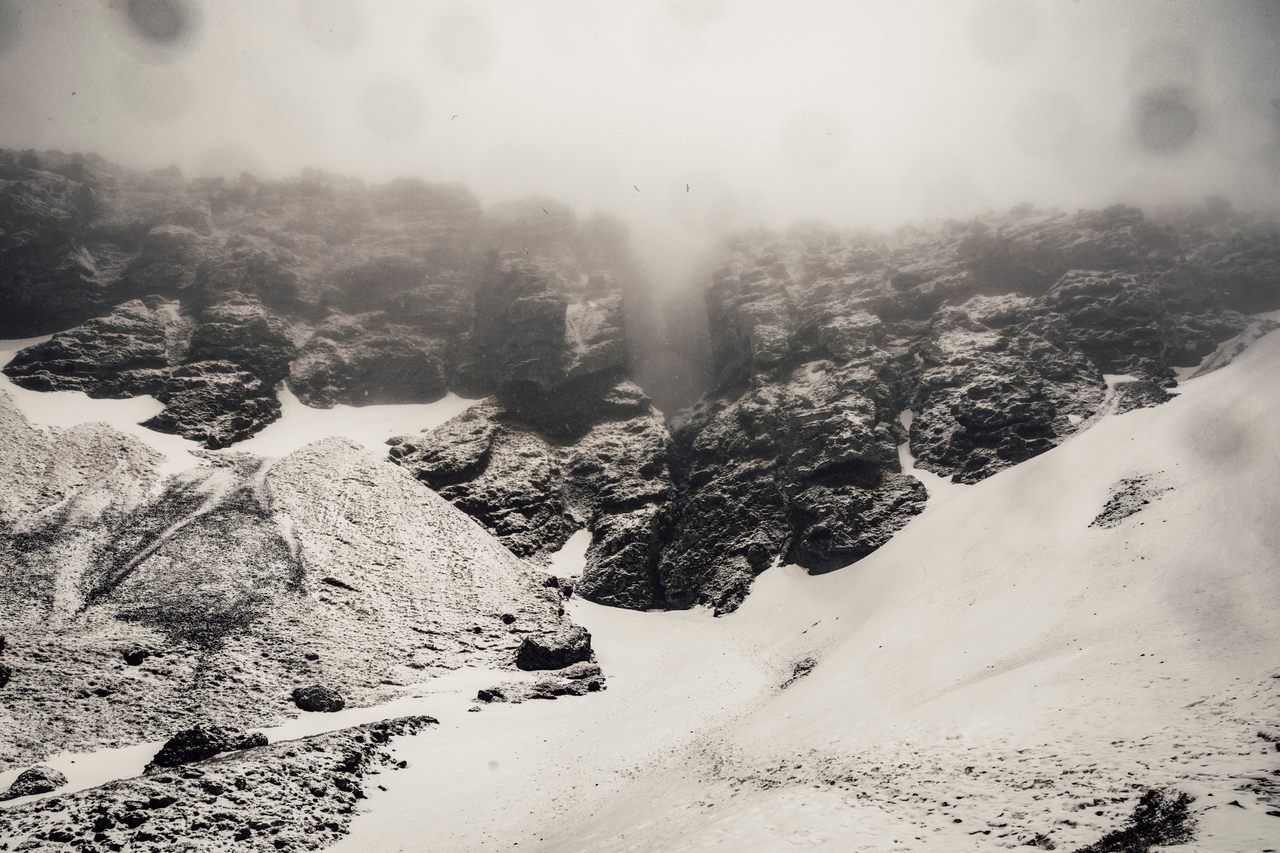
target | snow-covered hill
[{"x": 1016, "y": 667}]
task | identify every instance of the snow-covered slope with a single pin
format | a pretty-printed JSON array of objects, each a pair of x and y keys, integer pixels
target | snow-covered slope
[{"x": 1003, "y": 672}]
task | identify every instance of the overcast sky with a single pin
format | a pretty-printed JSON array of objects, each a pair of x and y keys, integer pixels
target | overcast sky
[{"x": 684, "y": 117}]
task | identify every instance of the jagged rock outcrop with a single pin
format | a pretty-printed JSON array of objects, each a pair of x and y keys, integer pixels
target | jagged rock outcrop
[
  {"x": 294, "y": 796},
  {"x": 995, "y": 334},
  {"x": 533, "y": 487},
  {"x": 34, "y": 780},
  {"x": 201, "y": 742},
  {"x": 385, "y": 294},
  {"x": 555, "y": 651},
  {"x": 368, "y": 359}
]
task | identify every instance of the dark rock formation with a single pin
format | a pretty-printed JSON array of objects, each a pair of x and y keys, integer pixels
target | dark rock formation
[
  {"x": 555, "y": 651},
  {"x": 368, "y": 359},
  {"x": 202, "y": 742},
  {"x": 292, "y": 796},
  {"x": 389, "y": 294},
  {"x": 36, "y": 780},
  {"x": 147, "y": 347},
  {"x": 996, "y": 334},
  {"x": 578, "y": 679},
  {"x": 318, "y": 698},
  {"x": 533, "y": 487},
  {"x": 1161, "y": 818},
  {"x": 121, "y": 354},
  {"x": 1129, "y": 497}
]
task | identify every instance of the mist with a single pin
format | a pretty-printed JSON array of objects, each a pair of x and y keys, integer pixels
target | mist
[{"x": 684, "y": 119}]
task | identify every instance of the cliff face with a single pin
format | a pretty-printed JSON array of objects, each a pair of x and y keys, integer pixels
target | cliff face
[
  {"x": 207, "y": 293},
  {"x": 996, "y": 334}
]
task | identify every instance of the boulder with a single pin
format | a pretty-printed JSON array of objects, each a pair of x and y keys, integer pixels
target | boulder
[
  {"x": 555, "y": 651},
  {"x": 318, "y": 698},
  {"x": 36, "y": 780},
  {"x": 202, "y": 742}
]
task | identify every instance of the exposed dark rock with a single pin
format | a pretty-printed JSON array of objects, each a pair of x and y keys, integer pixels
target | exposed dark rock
[
  {"x": 995, "y": 332},
  {"x": 318, "y": 698},
  {"x": 245, "y": 333},
  {"x": 1129, "y": 497},
  {"x": 202, "y": 742},
  {"x": 214, "y": 402},
  {"x": 532, "y": 490},
  {"x": 578, "y": 679},
  {"x": 135, "y": 656},
  {"x": 292, "y": 796},
  {"x": 1140, "y": 394},
  {"x": 802, "y": 668},
  {"x": 36, "y": 780},
  {"x": 122, "y": 354},
  {"x": 367, "y": 359},
  {"x": 1161, "y": 818},
  {"x": 555, "y": 651},
  {"x": 415, "y": 290}
]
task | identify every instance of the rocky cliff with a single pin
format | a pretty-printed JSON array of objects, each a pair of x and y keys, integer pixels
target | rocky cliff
[
  {"x": 208, "y": 293},
  {"x": 982, "y": 343}
]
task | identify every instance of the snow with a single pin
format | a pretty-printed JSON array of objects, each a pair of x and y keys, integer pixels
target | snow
[
  {"x": 71, "y": 408},
  {"x": 989, "y": 674},
  {"x": 982, "y": 678},
  {"x": 571, "y": 559},
  {"x": 369, "y": 426},
  {"x": 298, "y": 425},
  {"x": 937, "y": 487},
  {"x": 446, "y": 694}
]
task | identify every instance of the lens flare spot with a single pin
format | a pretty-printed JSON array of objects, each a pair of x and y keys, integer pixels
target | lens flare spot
[
  {"x": 1165, "y": 121},
  {"x": 163, "y": 22}
]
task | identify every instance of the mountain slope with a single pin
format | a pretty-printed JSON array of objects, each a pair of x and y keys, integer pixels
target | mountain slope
[
  {"x": 1001, "y": 673},
  {"x": 134, "y": 605}
]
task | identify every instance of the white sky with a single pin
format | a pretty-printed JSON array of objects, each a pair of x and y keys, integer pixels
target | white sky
[{"x": 853, "y": 111}]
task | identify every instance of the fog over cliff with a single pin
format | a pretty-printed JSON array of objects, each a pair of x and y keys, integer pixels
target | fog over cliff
[{"x": 684, "y": 118}]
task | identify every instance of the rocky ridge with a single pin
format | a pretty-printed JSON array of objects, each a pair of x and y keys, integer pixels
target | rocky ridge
[
  {"x": 293, "y": 795},
  {"x": 207, "y": 293},
  {"x": 135, "y": 606},
  {"x": 1000, "y": 335}
]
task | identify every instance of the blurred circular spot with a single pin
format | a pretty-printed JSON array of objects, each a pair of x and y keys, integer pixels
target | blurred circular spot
[
  {"x": 1046, "y": 123},
  {"x": 1164, "y": 65},
  {"x": 10, "y": 24},
  {"x": 153, "y": 94},
  {"x": 226, "y": 161},
  {"x": 332, "y": 24},
  {"x": 463, "y": 40},
  {"x": 1002, "y": 31},
  {"x": 392, "y": 109},
  {"x": 814, "y": 140},
  {"x": 163, "y": 22},
  {"x": 1165, "y": 121}
]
